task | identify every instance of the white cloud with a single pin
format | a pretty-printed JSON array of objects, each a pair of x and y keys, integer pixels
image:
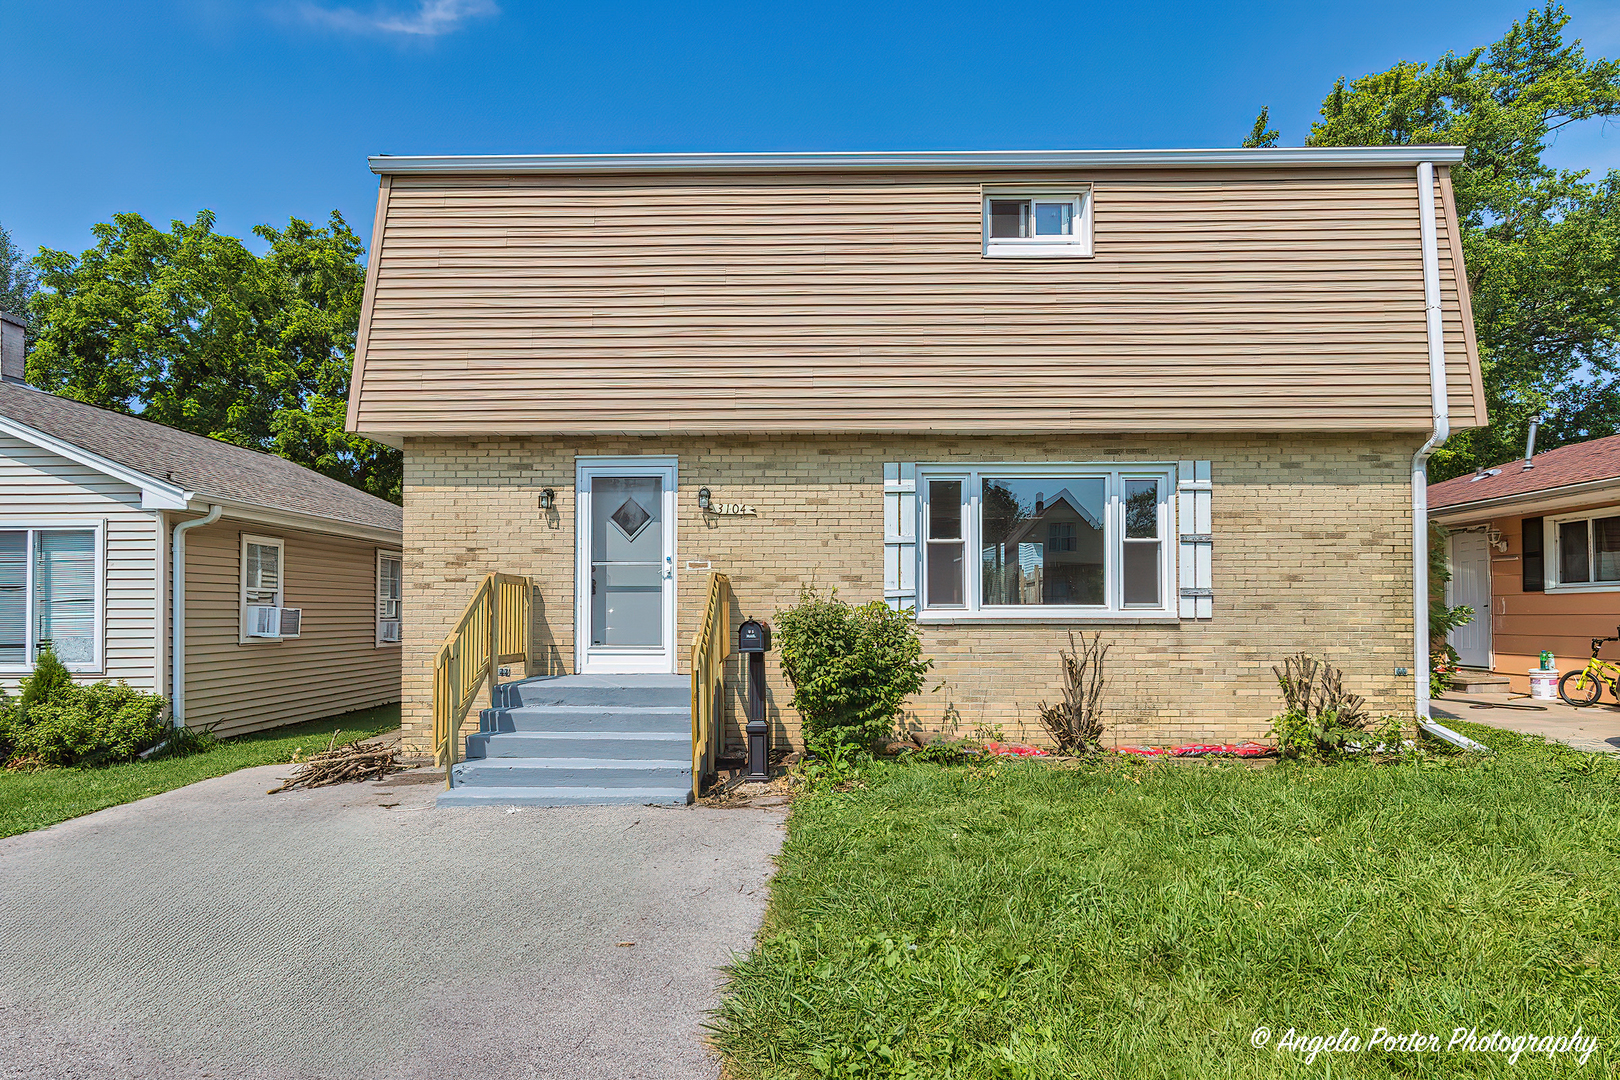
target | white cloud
[{"x": 431, "y": 18}]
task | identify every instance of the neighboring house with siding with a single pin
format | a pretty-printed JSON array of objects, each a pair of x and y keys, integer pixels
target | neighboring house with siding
[
  {"x": 1228, "y": 362},
  {"x": 292, "y": 592},
  {"x": 1534, "y": 549}
]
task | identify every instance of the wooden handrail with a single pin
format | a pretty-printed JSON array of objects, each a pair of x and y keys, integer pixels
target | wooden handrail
[
  {"x": 493, "y": 630},
  {"x": 710, "y": 647}
]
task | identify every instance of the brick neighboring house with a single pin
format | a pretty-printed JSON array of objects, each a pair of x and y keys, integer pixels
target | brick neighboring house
[
  {"x": 1232, "y": 362},
  {"x": 1535, "y": 550}
]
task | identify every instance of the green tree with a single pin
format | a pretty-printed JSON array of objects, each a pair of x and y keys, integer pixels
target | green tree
[
  {"x": 190, "y": 328},
  {"x": 1263, "y": 135},
  {"x": 17, "y": 284},
  {"x": 1542, "y": 245}
]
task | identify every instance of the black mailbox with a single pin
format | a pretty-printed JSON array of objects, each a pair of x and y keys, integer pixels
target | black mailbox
[
  {"x": 753, "y": 636},
  {"x": 753, "y": 640}
]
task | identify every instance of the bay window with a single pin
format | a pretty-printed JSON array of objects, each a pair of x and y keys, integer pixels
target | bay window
[
  {"x": 50, "y": 595},
  {"x": 1046, "y": 541}
]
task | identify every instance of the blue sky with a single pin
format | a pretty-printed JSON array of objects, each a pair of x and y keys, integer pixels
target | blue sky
[{"x": 261, "y": 109}]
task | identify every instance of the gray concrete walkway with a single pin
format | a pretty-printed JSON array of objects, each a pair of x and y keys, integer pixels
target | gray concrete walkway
[
  {"x": 216, "y": 931},
  {"x": 1595, "y": 728}
]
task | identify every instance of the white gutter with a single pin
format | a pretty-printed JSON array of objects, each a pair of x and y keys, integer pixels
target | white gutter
[
  {"x": 177, "y": 621},
  {"x": 1442, "y": 428},
  {"x": 386, "y": 165}
]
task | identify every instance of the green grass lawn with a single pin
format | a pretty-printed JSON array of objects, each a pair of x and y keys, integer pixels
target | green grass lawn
[
  {"x": 33, "y": 800},
  {"x": 1129, "y": 919}
]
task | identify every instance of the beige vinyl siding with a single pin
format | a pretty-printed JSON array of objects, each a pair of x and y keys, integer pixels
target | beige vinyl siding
[
  {"x": 37, "y": 484},
  {"x": 1217, "y": 299},
  {"x": 335, "y": 666}
]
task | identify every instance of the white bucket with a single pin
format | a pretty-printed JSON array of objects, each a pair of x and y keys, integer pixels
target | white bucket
[{"x": 1543, "y": 684}]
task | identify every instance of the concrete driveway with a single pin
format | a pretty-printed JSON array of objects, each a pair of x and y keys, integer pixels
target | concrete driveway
[{"x": 216, "y": 931}]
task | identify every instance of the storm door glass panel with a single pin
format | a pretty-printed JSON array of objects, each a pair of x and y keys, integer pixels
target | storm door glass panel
[
  {"x": 65, "y": 594},
  {"x": 1573, "y": 567},
  {"x": 947, "y": 585},
  {"x": 14, "y": 598},
  {"x": 627, "y": 560},
  {"x": 1142, "y": 543},
  {"x": 1606, "y": 549},
  {"x": 1042, "y": 540}
]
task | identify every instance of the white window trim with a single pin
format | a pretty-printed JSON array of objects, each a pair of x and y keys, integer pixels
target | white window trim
[
  {"x": 973, "y": 611},
  {"x": 280, "y": 545},
  {"x": 1552, "y": 558},
  {"x": 399, "y": 557},
  {"x": 57, "y": 524},
  {"x": 1077, "y": 246}
]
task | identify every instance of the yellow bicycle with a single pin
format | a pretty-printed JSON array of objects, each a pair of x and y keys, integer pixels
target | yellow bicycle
[{"x": 1584, "y": 686}]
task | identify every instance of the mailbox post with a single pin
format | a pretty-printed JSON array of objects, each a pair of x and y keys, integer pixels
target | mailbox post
[{"x": 753, "y": 641}]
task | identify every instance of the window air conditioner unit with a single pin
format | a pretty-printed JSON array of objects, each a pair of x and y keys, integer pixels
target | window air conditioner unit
[
  {"x": 389, "y": 629},
  {"x": 274, "y": 622}
]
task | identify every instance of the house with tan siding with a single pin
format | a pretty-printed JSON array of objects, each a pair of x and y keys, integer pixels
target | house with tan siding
[
  {"x": 1533, "y": 547},
  {"x": 1180, "y": 397},
  {"x": 289, "y": 580}
]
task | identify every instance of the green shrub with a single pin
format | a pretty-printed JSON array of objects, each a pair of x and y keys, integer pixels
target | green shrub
[
  {"x": 852, "y": 668},
  {"x": 87, "y": 725},
  {"x": 50, "y": 678}
]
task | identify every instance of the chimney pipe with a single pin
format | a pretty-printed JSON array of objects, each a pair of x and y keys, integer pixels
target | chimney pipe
[
  {"x": 1530, "y": 443},
  {"x": 12, "y": 330}
]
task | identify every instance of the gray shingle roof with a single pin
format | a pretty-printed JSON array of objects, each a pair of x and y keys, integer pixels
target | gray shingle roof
[{"x": 211, "y": 468}]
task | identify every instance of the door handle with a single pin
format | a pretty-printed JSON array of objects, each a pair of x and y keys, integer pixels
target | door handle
[{"x": 669, "y": 567}]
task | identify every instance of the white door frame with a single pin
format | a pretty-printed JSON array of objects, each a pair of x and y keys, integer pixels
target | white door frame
[
  {"x": 600, "y": 659},
  {"x": 1481, "y": 622}
]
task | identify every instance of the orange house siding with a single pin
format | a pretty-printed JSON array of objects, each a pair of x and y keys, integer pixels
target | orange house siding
[{"x": 1525, "y": 623}]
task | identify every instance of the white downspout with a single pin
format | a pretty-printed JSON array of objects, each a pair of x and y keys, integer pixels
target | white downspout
[
  {"x": 1442, "y": 428},
  {"x": 177, "y": 621}
]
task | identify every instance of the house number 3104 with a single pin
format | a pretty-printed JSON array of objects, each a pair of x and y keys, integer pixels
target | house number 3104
[{"x": 731, "y": 509}]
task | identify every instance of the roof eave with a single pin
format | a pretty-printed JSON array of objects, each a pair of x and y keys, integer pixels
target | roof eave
[
  {"x": 155, "y": 494},
  {"x": 983, "y": 160},
  {"x": 239, "y": 510},
  {"x": 1552, "y": 497}
]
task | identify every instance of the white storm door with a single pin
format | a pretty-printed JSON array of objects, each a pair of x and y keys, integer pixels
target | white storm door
[
  {"x": 625, "y": 609},
  {"x": 1470, "y": 585}
]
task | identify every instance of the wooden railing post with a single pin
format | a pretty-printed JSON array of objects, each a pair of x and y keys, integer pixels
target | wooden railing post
[{"x": 494, "y": 636}]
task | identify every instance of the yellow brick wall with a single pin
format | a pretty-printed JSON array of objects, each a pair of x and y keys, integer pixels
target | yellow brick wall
[{"x": 1312, "y": 551}]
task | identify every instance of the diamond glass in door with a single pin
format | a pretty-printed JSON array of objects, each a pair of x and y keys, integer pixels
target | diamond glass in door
[{"x": 627, "y": 561}]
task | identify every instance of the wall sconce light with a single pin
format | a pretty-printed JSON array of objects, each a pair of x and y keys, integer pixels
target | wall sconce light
[
  {"x": 548, "y": 499},
  {"x": 703, "y": 498}
]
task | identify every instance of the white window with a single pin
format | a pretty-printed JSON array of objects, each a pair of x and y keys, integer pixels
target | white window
[
  {"x": 1025, "y": 541},
  {"x": 390, "y": 593},
  {"x": 1028, "y": 224},
  {"x": 50, "y": 594},
  {"x": 1586, "y": 551},
  {"x": 264, "y": 614}
]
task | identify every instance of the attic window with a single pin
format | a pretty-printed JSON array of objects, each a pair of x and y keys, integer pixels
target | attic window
[{"x": 1031, "y": 224}]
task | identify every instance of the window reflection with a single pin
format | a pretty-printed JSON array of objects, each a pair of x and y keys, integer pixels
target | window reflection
[{"x": 1043, "y": 540}]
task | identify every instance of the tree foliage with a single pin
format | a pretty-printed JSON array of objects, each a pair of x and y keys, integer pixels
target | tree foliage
[
  {"x": 190, "y": 328},
  {"x": 1542, "y": 245},
  {"x": 17, "y": 284}
]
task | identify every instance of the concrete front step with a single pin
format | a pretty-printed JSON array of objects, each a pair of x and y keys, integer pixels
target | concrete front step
[
  {"x": 1479, "y": 682},
  {"x": 577, "y": 739},
  {"x": 634, "y": 690},
  {"x": 671, "y": 719},
  {"x": 565, "y": 796},
  {"x": 572, "y": 772},
  {"x": 609, "y": 745}
]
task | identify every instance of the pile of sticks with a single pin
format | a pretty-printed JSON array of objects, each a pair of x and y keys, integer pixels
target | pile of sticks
[{"x": 344, "y": 764}]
